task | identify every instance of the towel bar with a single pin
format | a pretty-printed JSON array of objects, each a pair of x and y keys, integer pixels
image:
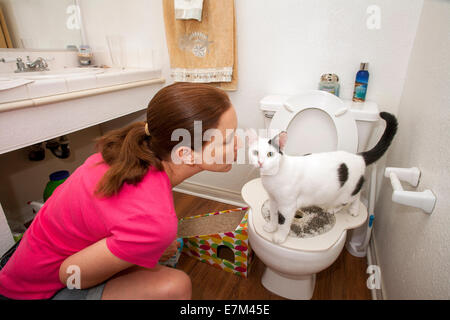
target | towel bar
[{"x": 424, "y": 200}]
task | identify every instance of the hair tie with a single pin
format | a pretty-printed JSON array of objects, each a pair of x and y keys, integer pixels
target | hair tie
[{"x": 146, "y": 129}]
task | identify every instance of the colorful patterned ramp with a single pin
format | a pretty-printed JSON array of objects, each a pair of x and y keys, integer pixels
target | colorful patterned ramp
[{"x": 205, "y": 247}]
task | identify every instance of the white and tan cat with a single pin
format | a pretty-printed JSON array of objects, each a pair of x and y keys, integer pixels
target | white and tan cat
[{"x": 329, "y": 180}]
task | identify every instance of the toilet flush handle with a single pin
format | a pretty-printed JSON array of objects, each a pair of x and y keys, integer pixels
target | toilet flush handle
[
  {"x": 340, "y": 112},
  {"x": 424, "y": 200},
  {"x": 269, "y": 114}
]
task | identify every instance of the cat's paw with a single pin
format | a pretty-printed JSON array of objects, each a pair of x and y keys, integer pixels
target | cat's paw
[
  {"x": 268, "y": 227},
  {"x": 279, "y": 237},
  {"x": 354, "y": 209},
  {"x": 353, "y": 213},
  {"x": 334, "y": 210}
]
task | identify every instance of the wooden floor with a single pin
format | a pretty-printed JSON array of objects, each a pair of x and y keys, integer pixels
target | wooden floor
[{"x": 345, "y": 279}]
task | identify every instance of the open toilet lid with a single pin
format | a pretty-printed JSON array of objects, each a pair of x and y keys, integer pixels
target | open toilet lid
[
  {"x": 255, "y": 195},
  {"x": 344, "y": 121}
]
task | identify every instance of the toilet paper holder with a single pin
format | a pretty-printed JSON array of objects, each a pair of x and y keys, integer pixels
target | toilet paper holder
[{"x": 424, "y": 200}]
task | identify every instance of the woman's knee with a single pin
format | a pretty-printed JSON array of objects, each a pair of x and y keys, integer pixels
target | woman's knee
[
  {"x": 141, "y": 283},
  {"x": 178, "y": 285},
  {"x": 167, "y": 283}
]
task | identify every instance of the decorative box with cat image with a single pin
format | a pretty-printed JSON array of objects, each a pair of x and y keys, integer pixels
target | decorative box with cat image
[{"x": 219, "y": 239}]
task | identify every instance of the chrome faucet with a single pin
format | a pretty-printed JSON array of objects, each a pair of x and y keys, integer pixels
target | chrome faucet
[
  {"x": 20, "y": 65},
  {"x": 40, "y": 64}
]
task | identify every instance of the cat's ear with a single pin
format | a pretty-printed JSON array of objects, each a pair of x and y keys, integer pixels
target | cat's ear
[
  {"x": 279, "y": 141},
  {"x": 252, "y": 135}
]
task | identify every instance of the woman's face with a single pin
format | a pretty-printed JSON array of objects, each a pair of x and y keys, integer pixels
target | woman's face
[{"x": 220, "y": 152}]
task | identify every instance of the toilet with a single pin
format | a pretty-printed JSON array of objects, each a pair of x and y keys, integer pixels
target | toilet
[{"x": 316, "y": 121}]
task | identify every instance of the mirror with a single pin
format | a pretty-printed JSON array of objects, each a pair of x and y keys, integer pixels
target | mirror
[{"x": 40, "y": 24}]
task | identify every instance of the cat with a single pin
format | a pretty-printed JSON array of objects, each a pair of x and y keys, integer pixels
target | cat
[{"x": 329, "y": 180}]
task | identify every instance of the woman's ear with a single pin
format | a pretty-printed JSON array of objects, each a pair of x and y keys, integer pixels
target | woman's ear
[{"x": 183, "y": 155}]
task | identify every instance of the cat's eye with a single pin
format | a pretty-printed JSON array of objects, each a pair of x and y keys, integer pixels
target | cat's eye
[
  {"x": 270, "y": 153},
  {"x": 255, "y": 152}
]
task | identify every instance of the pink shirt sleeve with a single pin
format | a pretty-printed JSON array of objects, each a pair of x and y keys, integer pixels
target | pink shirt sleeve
[{"x": 142, "y": 238}]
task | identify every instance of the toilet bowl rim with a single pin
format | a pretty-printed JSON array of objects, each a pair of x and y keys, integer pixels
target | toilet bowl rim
[
  {"x": 341, "y": 238},
  {"x": 254, "y": 194}
]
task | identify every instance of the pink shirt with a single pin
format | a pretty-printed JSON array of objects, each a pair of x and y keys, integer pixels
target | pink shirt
[{"x": 139, "y": 223}]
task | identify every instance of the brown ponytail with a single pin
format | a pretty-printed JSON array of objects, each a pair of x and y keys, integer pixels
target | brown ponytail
[{"x": 130, "y": 152}]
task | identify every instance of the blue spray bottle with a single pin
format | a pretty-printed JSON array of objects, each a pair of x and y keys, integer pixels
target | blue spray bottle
[{"x": 362, "y": 79}]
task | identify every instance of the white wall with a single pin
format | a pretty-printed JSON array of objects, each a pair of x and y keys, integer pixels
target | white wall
[
  {"x": 139, "y": 21},
  {"x": 413, "y": 248},
  {"x": 284, "y": 46}
]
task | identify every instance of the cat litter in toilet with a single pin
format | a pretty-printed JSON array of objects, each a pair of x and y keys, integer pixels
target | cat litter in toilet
[{"x": 308, "y": 222}]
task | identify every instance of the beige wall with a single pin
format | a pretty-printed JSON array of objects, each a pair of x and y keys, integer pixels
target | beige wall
[{"x": 413, "y": 247}]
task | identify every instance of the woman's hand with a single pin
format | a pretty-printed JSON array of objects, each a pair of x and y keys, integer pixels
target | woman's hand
[{"x": 170, "y": 251}]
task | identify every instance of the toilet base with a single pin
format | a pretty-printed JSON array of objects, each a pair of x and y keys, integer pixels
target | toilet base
[{"x": 294, "y": 288}]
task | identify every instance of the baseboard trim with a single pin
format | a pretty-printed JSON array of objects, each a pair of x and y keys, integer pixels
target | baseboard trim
[{"x": 211, "y": 193}]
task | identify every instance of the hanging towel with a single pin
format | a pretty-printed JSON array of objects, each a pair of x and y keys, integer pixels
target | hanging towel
[
  {"x": 203, "y": 51},
  {"x": 188, "y": 9}
]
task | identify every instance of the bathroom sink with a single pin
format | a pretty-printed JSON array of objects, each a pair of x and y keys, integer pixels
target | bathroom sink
[{"x": 51, "y": 74}]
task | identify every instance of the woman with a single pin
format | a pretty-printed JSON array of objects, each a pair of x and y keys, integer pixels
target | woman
[{"x": 105, "y": 228}]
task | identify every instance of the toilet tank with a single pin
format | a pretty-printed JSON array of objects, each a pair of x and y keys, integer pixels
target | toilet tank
[{"x": 366, "y": 115}]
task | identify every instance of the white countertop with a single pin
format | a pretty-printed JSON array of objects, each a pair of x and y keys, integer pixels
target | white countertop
[{"x": 72, "y": 83}]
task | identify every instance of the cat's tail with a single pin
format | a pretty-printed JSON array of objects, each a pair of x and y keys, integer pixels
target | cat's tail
[{"x": 377, "y": 152}]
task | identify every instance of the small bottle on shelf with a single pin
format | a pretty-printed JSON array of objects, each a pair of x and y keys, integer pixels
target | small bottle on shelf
[{"x": 362, "y": 79}]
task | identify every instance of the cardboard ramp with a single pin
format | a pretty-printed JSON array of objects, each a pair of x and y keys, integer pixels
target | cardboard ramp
[{"x": 219, "y": 239}]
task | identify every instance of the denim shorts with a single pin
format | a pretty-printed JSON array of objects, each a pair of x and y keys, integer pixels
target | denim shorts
[{"x": 94, "y": 293}]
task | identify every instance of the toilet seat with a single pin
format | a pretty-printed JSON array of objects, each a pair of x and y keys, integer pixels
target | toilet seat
[
  {"x": 255, "y": 195},
  {"x": 346, "y": 129}
]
